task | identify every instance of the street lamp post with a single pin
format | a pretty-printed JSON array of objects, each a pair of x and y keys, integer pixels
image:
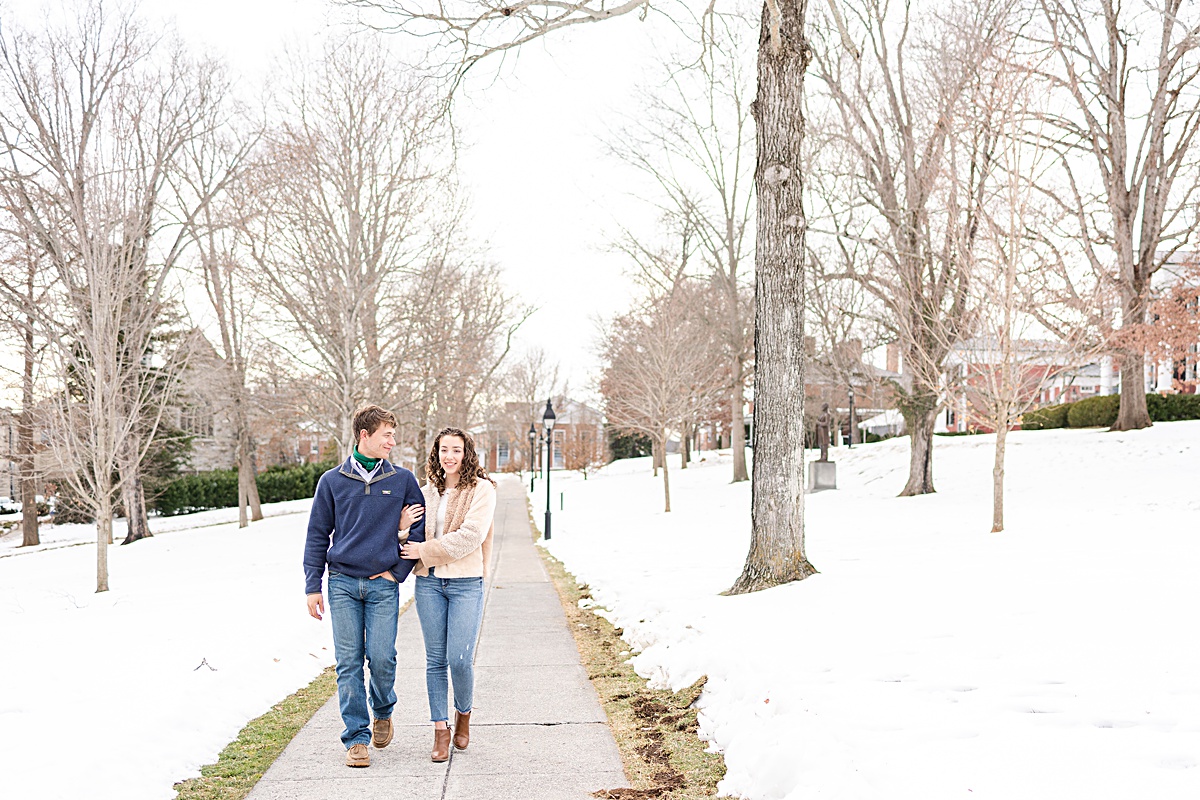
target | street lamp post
[
  {"x": 853, "y": 423},
  {"x": 548, "y": 424},
  {"x": 532, "y": 455}
]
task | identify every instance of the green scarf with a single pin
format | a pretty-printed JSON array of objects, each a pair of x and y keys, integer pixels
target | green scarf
[{"x": 368, "y": 463}]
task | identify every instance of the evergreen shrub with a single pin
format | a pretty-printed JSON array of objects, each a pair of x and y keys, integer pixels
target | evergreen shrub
[
  {"x": 1094, "y": 412},
  {"x": 1042, "y": 419},
  {"x": 1101, "y": 411},
  {"x": 218, "y": 488},
  {"x": 1173, "y": 407}
]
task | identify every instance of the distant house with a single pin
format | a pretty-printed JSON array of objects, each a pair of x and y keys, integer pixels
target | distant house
[
  {"x": 837, "y": 375},
  {"x": 204, "y": 411},
  {"x": 9, "y": 472},
  {"x": 579, "y": 441},
  {"x": 1181, "y": 374},
  {"x": 1043, "y": 370}
]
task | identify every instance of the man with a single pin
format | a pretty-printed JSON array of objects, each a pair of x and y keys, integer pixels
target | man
[{"x": 359, "y": 505}]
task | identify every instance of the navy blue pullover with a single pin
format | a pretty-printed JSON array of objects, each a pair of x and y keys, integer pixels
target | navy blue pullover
[{"x": 363, "y": 519}]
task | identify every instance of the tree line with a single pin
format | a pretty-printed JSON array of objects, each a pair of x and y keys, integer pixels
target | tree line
[
  {"x": 162, "y": 231},
  {"x": 1002, "y": 181}
]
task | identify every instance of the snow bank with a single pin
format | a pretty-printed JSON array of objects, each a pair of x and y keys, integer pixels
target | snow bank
[
  {"x": 119, "y": 695},
  {"x": 930, "y": 658}
]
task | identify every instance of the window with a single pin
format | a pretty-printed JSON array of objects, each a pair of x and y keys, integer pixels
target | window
[
  {"x": 502, "y": 454},
  {"x": 560, "y": 437},
  {"x": 196, "y": 420}
]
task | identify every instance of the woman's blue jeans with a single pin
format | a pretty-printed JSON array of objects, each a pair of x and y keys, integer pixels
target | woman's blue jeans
[
  {"x": 450, "y": 610},
  {"x": 364, "y": 614}
]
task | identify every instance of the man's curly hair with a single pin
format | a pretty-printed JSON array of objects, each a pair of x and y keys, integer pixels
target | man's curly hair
[{"x": 468, "y": 472}]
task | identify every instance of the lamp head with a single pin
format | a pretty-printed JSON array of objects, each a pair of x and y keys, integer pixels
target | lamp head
[{"x": 548, "y": 417}]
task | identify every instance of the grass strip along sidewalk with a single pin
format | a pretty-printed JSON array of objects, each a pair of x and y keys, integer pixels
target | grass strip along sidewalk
[
  {"x": 655, "y": 730},
  {"x": 247, "y": 758}
]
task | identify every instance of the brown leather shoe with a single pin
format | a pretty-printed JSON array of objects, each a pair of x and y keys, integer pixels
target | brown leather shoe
[
  {"x": 462, "y": 730},
  {"x": 441, "y": 744},
  {"x": 358, "y": 756},
  {"x": 381, "y": 733}
]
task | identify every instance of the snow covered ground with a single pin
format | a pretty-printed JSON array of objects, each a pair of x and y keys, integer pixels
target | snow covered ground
[
  {"x": 116, "y": 696},
  {"x": 930, "y": 658},
  {"x": 53, "y": 537}
]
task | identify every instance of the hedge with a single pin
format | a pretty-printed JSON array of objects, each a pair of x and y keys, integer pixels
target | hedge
[
  {"x": 1046, "y": 418},
  {"x": 1094, "y": 412},
  {"x": 1173, "y": 407},
  {"x": 218, "y": 488},
  {"x": 1101, "y": 411}
]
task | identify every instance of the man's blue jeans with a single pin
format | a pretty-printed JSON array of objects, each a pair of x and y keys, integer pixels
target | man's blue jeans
[
  {"x": 364, "y": 614},
  {"x": 450, "y": 610}
]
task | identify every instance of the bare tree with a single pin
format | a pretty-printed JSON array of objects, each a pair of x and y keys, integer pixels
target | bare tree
[
  {"x": 696, "y": 141},
  {"x": 93, "y": 119},
  {"x": 20, "y": 297},
  {"x": 461, "y": 323},
  {"x": 900, "y": 88},
  {"x": 472, "y": 30},
  {"x": 341, "y": 215},
  {"x": 1125, "y": 76},
  {"x": 527, "y": 379},
  {"x": 843, "y": 322},
  {"x": 1005, "y": 367},
  {"x": 218, "y": 162},
  {"x": 583, "y": 451},
  {"x": 658, "y": 366},
  {"x": 1173, "y": 328},
  {"x": 661, "y": 366}
]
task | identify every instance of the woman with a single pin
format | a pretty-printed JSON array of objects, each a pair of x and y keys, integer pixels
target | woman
[{"x": 449, "y": 591}]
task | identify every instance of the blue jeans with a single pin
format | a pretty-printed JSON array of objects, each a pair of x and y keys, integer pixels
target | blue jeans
[
  {"x": 450, "y": 610},
  {"x": 364, "y": 614}
]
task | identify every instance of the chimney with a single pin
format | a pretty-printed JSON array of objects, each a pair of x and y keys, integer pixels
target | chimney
[
  {"x": 893, "y": 356},
  {"x": 810, "y": 346}
]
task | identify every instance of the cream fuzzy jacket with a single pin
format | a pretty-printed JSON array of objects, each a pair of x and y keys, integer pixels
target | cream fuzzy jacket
[{"x": 467, "y": 551}]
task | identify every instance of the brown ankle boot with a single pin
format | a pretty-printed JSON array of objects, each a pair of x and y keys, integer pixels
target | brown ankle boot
[
  {"x": 462, "y": 730},
  {"x": 441, "y": 744}
]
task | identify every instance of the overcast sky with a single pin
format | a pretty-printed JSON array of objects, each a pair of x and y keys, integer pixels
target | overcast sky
[{"x": 544, "y": 196}]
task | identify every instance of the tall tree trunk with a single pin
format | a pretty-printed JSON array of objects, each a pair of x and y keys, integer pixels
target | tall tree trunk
[
  {"x": 29, "y": 521},
  {"x": 685, "y": 446},
  {"x": 420, "y": 457},
  {"x": 920, "y": 460},
  {"x": 1133, "y": 414},
  {"x": 777, "y": 506},
  {"x": 104, "y": 535},
  {"x": 855, "y": 434},
  {"x": 655, "y": 456},
  {"x": 737, "y": 427},
  {"x": 133, "y": 496},
  {"x": 249, "y": 507},
  {"x": 666, "y": 479},
  {"x": 998, "y": 473}
]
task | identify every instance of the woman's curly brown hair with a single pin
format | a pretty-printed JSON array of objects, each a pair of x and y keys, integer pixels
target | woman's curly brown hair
[{"x": 468, "y": 472}]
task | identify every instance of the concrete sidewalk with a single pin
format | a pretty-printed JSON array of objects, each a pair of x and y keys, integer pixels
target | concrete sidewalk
[{"x": 537, "y": 729}]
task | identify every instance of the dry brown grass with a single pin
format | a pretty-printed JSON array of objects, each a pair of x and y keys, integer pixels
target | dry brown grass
[{"x": 655, "y": 731}]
